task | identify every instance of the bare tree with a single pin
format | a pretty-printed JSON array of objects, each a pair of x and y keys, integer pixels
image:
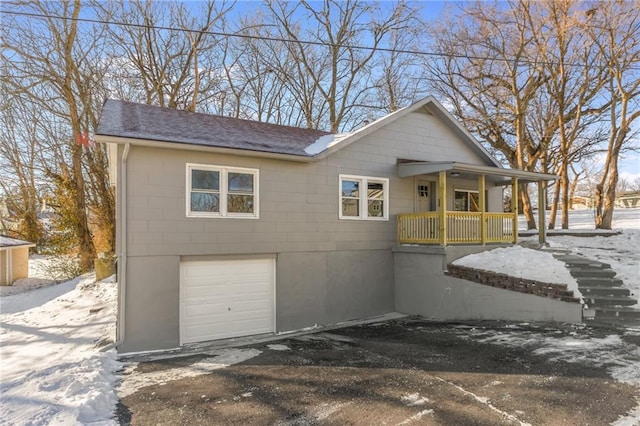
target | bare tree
[
  {"x": 334, "y": 71},
  {"x": 535, "y": 79},
  {"x": 572, "y": 85},
  {"x": 400, "y": 80},
  {"x": 165, "y": 51},
  {"x": 18, "y": 168},
  {"x": 55, "y": 67},
  {"x": 615, "y": 30},
  {"x": 490, "y": 74}
]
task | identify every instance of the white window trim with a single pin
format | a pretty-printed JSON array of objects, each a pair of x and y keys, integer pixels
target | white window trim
[
  {"x": 468, "y": 191},
  {"x": 363, "y": 198},
  {"x": 224, "y": 191}
]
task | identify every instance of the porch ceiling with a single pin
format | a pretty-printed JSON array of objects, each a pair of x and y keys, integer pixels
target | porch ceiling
[{"x": 498, "y": 175}]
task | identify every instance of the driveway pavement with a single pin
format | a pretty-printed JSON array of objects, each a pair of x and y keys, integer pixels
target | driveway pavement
[{"x": 401, "y": 372}]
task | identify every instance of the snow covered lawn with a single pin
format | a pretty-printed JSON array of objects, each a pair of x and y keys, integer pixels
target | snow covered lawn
[
  {"x": 621, "y": 251},
  {"x": 51, "y": 364}
]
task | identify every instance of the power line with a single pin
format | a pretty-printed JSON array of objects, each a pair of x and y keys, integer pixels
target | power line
[{"x": 285, "y": 40}]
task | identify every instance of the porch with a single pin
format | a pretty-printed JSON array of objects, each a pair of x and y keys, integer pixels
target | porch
[
  {"x": 478, "y": 222},
  {"x": 459, "y": 228}
]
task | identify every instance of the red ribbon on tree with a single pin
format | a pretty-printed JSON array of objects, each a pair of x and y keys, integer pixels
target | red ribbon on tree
[{"x": 83, "y": 139}]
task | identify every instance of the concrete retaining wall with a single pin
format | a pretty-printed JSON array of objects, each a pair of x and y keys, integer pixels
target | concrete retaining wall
[{"x": 422, "y": 288}]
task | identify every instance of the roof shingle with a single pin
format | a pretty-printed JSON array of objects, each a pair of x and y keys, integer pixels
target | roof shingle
[{"x": 139, "y": 121}]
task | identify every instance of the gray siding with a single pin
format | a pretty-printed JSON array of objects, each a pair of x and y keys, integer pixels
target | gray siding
[
  {"x": 299, "y": 202},
  {"x": 153, "y": 311},
  {"x": 332, "y": 287}
]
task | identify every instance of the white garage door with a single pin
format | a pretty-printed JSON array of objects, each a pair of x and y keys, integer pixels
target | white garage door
[{"x": 226, "y": 298}]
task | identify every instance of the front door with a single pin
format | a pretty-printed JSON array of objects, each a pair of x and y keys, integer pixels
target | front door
[{"x": 423, "y": 195}]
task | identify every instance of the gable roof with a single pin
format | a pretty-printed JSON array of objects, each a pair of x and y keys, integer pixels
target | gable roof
[
  {"x": 139, "y": 121},
  {"x": 155, "y": 124},
  {"x": 432, "y": 106}
]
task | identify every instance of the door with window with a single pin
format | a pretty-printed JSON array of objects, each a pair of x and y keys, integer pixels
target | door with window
[{"x": 423, "y": 195}]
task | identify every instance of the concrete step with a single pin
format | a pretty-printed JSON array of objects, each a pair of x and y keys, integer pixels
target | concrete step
[
  {"x": 614, "y": 322},
  {"x": 581, "y": 262},
  {"x": 598, "y": 282},
  {"x": 592, "y": 273},
  {"x": 556, "y": 250},
  {"x": 603, "y": 291},
  {"x": 618, "y": 314},
  {"x": 597, "y": 301}
]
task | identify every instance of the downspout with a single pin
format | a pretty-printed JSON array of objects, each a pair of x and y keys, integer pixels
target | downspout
[{"x": 122, "y": 256}]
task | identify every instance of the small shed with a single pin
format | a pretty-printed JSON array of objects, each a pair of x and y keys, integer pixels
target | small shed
[{"x": 14, "y": 259}]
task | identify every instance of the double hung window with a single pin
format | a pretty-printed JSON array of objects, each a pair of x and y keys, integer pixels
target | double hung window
[
  {"x": 216, "y": 191},
  {"x": 365, "y": 198}
]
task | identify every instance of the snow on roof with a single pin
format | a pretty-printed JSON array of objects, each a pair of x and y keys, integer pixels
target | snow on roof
[
  {"x": 6, "y": 242},
  {"x": 325, "y": 142}
]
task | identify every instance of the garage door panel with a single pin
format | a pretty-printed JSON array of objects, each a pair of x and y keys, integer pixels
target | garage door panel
[
  {"x": 229, "y": 298},
  {"x": 251, "y": 307},
  {"x": 219, "y": 330},
  {"x": 200, "y": 309}
]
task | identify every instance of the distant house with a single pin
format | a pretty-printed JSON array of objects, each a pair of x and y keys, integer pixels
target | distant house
[
  {"x": 579, "y": 202},
  {"x": 229, "y": 227},
  {"x": 14, "y": 259},
  {"x": 629, "y": 199}
]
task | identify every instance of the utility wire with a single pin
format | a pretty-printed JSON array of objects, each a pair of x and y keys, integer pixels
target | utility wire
[{"x": 285, "y": 40}]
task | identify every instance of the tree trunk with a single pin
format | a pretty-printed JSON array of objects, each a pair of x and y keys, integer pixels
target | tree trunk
[
  {"x": 527, "y": 210},
  {"x": 554, "y": 207},
  {"x": 564, "y": 179}
]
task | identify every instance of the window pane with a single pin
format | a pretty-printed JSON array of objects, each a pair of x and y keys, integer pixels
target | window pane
[
  {"x": 460, "y": 201},
  {"x": 240, "y": 203},
  {"x": 375, "y": 190},
  {"x": 350, "y": 207},
  {"x": 205, "y": 202},
  {"x": 240, "y": 182},
  {"x": 205, "y": 179},
  {"x": 376, "y": 208},
  {"x": 350, "y": 188}
]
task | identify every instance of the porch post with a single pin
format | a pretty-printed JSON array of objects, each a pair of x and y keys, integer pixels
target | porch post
[
  {"x": 514, "y": 208},
  {"x": 542, "y": 210},
  {"x": 442, "y": 181},
  {"x": 483, "y": 202}
]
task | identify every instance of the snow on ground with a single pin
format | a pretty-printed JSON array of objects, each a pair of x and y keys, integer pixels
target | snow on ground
[
  {"x": 621, "y": 358},
  {"x": 522, "y": 262},
  {"x": 37, "y": 278},
  {"x": 52, "y": 369},
  {"x": 221, "y": 358},
  {"x": 620, "y": 250},
  {"x": 618, "y": 353},
  {"x": 54, "y": 372}
]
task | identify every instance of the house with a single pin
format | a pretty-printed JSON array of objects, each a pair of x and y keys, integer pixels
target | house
[
  {"x": 628, "y": 199},
  {"x": 14, "y": 259},
  {"x": 229, "y": 227}
]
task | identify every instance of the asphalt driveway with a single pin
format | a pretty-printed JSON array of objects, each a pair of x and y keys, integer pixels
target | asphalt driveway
[{"x": 408, "y": 371}]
